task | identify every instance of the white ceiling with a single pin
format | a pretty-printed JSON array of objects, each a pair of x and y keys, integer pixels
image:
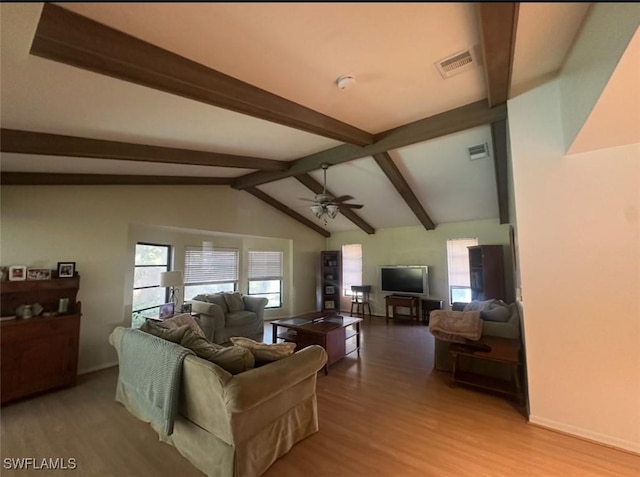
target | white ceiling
[{"x": 296, "y": 51}]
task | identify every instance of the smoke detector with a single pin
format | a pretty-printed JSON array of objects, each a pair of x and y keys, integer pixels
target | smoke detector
[
  {"x": 345, "y": 81},
  {"x": 457, "y": 63},
  {"x": 478, "y": 152}
]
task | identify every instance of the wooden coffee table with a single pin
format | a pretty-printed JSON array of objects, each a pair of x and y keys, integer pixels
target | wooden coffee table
[{"x": 333, "y": 332}]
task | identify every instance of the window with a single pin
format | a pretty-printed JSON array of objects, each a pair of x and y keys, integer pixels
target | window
[
  {"x": 351, "y": 267},
  {"x": 209, "y": 270},
  {"x": 458, "y": 269},
  {"x": 150, "y": 261},
  {"x": 265, "y": 276}
]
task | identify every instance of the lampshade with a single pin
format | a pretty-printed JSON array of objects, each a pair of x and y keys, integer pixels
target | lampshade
[{"x": 173, "y": 278}]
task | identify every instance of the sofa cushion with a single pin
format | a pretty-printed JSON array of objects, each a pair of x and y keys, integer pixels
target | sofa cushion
[
  {"x": 234, "y": 302},
  {"x": 181, "y": 320},
  {"x": 264, "y": 352},
  {"x": 239, "y": 318},
  {"x": 491, "y": 310},
  {"x": 233, "y": 359},
  {"x": 174, "y": 335}
]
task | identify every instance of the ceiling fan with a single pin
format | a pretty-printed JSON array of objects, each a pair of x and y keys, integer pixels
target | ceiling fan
[{"x": 327, "y": 205}]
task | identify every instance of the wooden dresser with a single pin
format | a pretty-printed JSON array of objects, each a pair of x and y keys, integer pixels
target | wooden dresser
[{"x": 40, "y": 353}]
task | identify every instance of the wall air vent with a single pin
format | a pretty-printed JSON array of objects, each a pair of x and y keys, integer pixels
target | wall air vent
[
  {"x": 456, "y": 63},
  {"x": 478, "y": 152}
]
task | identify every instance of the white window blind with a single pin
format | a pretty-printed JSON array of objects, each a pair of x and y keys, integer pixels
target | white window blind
[
  {"x": 265, "y": 265},
  {"x": 203, "y": 265},
  {"x": 351, "y": 266},
  {"x": 458, "y": 261}
]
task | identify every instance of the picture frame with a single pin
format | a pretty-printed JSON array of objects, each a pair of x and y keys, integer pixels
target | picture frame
[
  {"x": 66, "y": 269},
  {"x": 38, "y": 274},
  {"x": 17, "y": 273},
  {"x": 329, "y": 305},
  {"x": 329, "y": 290}
]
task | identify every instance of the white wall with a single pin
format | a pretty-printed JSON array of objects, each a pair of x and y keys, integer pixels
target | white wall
[
  {"x": 97, "y": 227},
  {"x": 579, "y": 255},
  {"x": 418, "y": 246}
]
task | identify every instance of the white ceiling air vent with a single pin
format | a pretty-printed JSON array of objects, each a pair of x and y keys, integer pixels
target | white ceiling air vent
[
  {"x": 478, "y": 152},
  {"x": 456, "y": 63}
]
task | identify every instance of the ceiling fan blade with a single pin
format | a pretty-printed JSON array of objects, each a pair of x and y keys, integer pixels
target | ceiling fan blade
[
  {"x": 308, "y": 200},
  {"x": 342, "y": 198},
  {"x": 351, "y": 206}
]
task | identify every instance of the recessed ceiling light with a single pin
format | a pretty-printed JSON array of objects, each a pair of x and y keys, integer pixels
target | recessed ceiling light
[{"x": 345, "y": 81}]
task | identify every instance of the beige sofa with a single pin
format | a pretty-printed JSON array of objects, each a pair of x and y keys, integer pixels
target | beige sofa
[
  {"x": 220, "y": 319},
  {"x": 238, "y": 425}
]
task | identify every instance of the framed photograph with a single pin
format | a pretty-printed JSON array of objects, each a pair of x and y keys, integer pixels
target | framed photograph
[
  {"x": 38, "y": 274},
  {"x": 66, "y": 269},
  {"x": 329, "y": 305},
  {"x": 17, "y": 273},
  {"x": 329, "y": 290}
]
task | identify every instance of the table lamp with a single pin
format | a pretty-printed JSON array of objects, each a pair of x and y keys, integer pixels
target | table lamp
[{"x": 173, "y": 279}]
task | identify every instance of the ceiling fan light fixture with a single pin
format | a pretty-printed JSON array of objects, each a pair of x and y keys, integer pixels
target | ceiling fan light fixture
[
  {"x": 318, "y": 210},
  {"x": 332, "y": 210}
]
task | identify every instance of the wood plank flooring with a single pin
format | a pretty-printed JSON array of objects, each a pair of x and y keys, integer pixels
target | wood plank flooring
[{"x": 385, "y": 414}]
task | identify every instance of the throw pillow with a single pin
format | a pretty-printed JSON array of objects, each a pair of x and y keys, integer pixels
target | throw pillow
[
  {"x": 496, "y": 311},
  {"x": 181, "y": 320},
  {"x": 264, "y": 352},
  {"x": 478, "y": 305},
  {"x": 233, "y": 359},
  {"x": 170, "y": 334},
  {"x": 218, "y": 299},
  {"x": 234, "y": 302}
]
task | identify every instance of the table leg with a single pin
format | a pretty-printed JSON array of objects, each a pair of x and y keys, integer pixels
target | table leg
[
  {"x": 516, "y": 377},
  {"x": 274, "y": 329},
  {"x": 452, "y": 382},
  {"x": 358, "y": 338}
]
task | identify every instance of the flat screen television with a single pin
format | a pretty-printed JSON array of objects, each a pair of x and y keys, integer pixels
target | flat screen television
[{"x": 405, "y": 279}]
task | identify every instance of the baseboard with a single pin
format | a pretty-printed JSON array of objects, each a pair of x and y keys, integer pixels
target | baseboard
[
  {"x": 97, "y": 368},
  {"x": 594, "y": 437}
]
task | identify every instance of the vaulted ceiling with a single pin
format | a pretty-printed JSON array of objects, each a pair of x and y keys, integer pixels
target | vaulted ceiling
[{"x": 244, "y": 95}]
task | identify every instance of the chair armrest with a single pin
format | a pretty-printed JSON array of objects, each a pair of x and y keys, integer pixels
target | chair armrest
[
  {"x": 211, "y": 317},
  {"x": 248, "y": 389},
  {"x": 255, "y": 304}
]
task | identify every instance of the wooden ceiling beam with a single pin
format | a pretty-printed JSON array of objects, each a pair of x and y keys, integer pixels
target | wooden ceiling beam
[
  {"x": 40, "y": 178},
  {"x": 76, "y": 40},
  {"x": 30, "y": 142},
  {"x": 455, "y": 120},
  {"x": 317, "y": 188},
  {"x": 498, "y": 23},
  {"x": 395, "y": 176},
  {"x": 500, "y": 162},
  {"x": 286, "y": 210}
]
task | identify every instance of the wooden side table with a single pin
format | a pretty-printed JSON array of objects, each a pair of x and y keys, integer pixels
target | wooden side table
[
  {"x": 503, "y": 350},
  {"x": 394, "y": 301},
  {"x": 427, "y": 305}
]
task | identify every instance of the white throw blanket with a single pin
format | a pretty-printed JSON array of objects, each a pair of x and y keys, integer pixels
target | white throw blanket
[{"x": 456, "y": 326}]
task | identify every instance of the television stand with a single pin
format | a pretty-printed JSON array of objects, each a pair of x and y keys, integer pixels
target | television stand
[{"x": 395, "y": 301}]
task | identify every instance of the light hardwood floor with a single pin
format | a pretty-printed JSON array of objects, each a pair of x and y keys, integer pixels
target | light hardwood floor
[{"x": 385, "y": 414}]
